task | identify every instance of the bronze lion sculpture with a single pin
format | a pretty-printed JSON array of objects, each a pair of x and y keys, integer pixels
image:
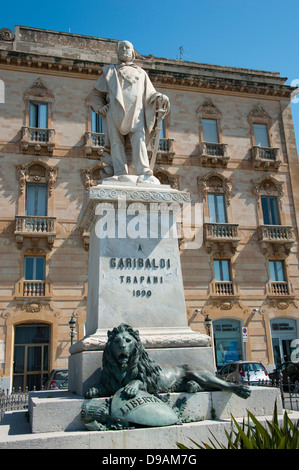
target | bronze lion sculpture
[{"x": 126, "y": 364}]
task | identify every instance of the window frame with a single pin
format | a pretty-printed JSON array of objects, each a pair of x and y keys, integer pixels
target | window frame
[{"x": 34, "y": 268}]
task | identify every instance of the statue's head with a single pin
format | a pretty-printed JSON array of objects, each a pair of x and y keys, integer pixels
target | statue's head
[
  {"x": 125, "y": 52},
  {"x": 123, "y": 341}
]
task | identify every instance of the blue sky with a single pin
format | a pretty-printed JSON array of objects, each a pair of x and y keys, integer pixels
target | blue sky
[{"x": 256, "y": 34}]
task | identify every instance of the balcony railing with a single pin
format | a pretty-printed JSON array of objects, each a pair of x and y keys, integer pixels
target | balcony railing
[
  {"x": 35, "y": 227},
  {"x": 213, "y": 153},
  {"x": 37, "y": 138},
  {"x": 33, "y": 289},
  {"x": 94, "y": 143},
  {"x": 222, "y": 288},
  {"x": 165, "y": 152},
  {"x": 279, "y": 289},
  {"x": 275, "y": 236},
  {"x": 35, "y": 224},
  {"x": 276, "y": 233},
  {"x": 265, "y": 157},
  {"x": 222, "y": 231},
  {"x": 223, "y": 234}
]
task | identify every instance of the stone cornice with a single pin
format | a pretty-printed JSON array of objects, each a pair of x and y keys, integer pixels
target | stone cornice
[{"x": 188, "y": 79}]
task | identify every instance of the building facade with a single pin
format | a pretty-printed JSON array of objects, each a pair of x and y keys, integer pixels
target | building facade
[{"x": 228, "y": 140}]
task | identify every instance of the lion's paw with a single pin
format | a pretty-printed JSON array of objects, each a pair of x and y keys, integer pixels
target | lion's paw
[
  {"x": 193, "y": 387},
  {"x": 92, "y": 393}
]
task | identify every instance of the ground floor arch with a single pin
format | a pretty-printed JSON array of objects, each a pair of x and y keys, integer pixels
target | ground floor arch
[{"x": 31, "y": 355}]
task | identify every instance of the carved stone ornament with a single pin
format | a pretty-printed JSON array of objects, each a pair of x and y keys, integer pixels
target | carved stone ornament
[
  {"x": 258, "y": 112},
  {"x": 33, "y": 307},
  {"x": 207, "y": 107},
  {"x": 215, "y": 183},
  {"x": 36, "y": 171},
  {"x": 92, "y": 176},
  {"x": 6, "y": 34},
  {"x": 267, "y": 186},
  {"x": 39, "y": 89},
  {"x": 165, "y": 177}
]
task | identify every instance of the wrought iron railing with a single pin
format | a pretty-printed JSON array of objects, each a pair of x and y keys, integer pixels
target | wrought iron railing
[
  {"x": 213, "y": 149},
  {"x": 15, "y": 400},
  {"x": 264, "y": 153}
]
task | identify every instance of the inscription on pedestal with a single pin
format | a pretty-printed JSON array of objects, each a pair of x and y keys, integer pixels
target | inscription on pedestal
[{"x": 141, "y": 285}]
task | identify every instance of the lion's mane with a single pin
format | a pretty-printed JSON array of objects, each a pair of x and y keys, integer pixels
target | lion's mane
[{"x": 140, "y": 366}]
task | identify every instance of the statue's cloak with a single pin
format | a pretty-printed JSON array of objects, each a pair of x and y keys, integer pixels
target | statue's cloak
[{"x": 131, "y": 98}]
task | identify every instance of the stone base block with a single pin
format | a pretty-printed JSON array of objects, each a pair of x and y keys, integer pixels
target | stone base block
[
  {"x": 84, "y": 367},
  {"x": 56, "y": 423},
  {"x": 61, "y": 411}
]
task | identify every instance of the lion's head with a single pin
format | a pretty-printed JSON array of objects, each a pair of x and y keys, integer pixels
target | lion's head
[{"x": 125, "y": 359}]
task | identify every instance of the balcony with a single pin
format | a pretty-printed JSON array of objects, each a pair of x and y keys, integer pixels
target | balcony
[
  {"x": 213, "y": 154},
  {"x": 33, "y": 289},
  {"x": 223, "y": 289},
  {"x": 94, "y": 144},
  {"x": 37, "y": 141},
  {"x": 265, "y": 158},
  {"x": 165, "y": 152},
  {"x": 275, "y": 237},
  {"x": 279, "y": 289},
  {"x": 35, "y": 227},
  {"x": 221, "y": 236}
]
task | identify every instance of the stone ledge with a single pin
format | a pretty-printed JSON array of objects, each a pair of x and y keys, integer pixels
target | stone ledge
[
  {"x": 142, "y": 438},
  {"x": 62, "y": 411}
]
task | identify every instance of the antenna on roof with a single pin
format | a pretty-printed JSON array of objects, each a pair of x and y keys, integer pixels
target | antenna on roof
[{"x": 182, "y": 53}]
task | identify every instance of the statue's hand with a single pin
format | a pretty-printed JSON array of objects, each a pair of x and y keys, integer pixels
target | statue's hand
[
  {"x": 104, "y": 109},
  {"x": 92, "y": 393},
  {"x": 162, "y": 102},
  {"x": 132, "y": 388}
]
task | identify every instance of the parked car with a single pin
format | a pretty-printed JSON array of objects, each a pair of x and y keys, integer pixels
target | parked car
[
  {"x": 238, "y": 372},
  {"x": 289, "y": 370},
  {"x": 58, "y": 380}
]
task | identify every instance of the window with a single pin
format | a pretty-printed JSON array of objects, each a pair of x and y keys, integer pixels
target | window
[
  {"x": 38, "y": 115},
  {"x": 36, "y": 199},
  {"x": 261, "y": 137},
  {"x": 270, "y": 210},
  {"x": 34, "y": 269},
  {"x": 163, "y": 132},
  {"x": 217, "y": 210},
  {"x": 210, "y": 130},
  {"x": 96, "y": 122},
  {"x": 222, "y": 270},
  {"x": 277, "y": 273}
]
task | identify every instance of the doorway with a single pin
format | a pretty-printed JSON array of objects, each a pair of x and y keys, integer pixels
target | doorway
[
  {"x": 31, "y": 356},
  {"x": 283, "y": 332}
]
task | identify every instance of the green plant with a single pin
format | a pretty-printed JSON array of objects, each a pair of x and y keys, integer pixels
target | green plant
[{"x": 253, "y": 435}]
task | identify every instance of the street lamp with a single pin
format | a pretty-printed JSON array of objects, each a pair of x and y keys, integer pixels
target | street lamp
[
  {"x": 208, "y": 324},
  {"x": 72, "y": 324}
]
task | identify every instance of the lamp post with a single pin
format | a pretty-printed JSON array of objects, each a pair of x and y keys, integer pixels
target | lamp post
[
  {"x": 208, "y": 324},
  {"x": 72, "y": 324}
]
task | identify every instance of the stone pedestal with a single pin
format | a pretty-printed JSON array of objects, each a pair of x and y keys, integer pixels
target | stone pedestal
[{"x": 134, "y": 275}]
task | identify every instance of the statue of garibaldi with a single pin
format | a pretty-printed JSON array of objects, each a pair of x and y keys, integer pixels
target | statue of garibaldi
[{"x": 128, "y": 102}]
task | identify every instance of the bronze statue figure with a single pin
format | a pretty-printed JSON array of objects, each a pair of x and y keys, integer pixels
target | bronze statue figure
[{"x": 126, "y": 364}]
